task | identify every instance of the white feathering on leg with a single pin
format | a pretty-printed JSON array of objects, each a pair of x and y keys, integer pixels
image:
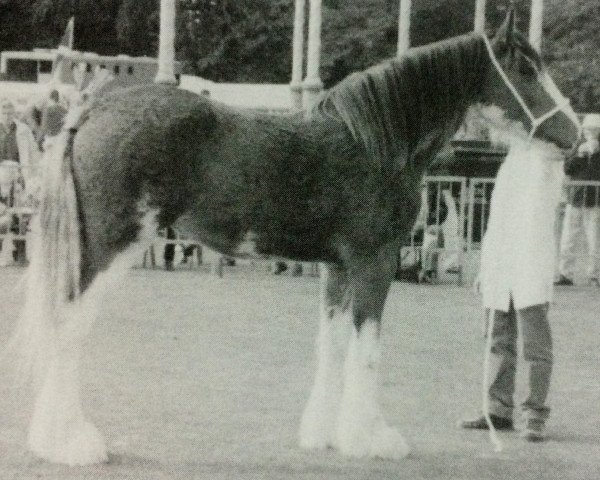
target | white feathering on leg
[
  {"x": 318, "y": 425},
  {"x": 361, "y": 430},
  {"x": 59, "y": 431}
]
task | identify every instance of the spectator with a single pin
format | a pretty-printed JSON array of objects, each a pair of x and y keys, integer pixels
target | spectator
[
  {"x": 17, "y": 142},
  {"x": 582, "y": 211},
  {"x": 281, "y": 266},
  {"x": 169, "y": 252},
  {"x": 428, "y": 227},
  {"x": 517, "y": 269},
  {"x": 17, "y": 147},
  {"x": 53, "y": 116}
]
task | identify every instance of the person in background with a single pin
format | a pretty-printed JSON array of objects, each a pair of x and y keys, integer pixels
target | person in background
[
  {"x": 17, "y": 146},
  {"x": 17, "y": 142},
  {"x": 516, "y": 276},
  {"x": 428, "y": 229},
  {"x": 53, "y": 117},
  {"x": 582, "y": 212},
  {"x": 169, "y": 252}
]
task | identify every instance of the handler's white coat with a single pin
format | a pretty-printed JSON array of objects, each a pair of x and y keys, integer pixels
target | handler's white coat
[{"x": 518, "y": 250}]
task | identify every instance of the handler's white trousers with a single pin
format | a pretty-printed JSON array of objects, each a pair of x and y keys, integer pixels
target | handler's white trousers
[{"x": 579, "y": 220}]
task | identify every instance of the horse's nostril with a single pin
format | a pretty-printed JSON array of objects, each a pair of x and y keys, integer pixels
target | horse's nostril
[{"x": 571, "y": 152}]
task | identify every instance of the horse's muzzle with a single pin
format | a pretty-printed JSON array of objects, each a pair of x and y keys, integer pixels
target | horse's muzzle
[{"x": 571, "y": 152}]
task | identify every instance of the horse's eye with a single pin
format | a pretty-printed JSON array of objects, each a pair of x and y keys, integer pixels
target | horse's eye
[{"x": 526, "y": 68}]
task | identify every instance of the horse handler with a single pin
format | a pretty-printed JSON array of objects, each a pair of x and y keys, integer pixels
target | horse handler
[{"x": 516, "y": 280}]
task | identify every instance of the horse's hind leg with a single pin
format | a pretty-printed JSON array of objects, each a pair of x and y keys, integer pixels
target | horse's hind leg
[
  {"x": 318, "y": 426},
  {"x": 59, "y": 430},
  {"x": 361, "y": 428}
]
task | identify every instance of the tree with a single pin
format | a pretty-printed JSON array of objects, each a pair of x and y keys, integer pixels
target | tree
[
  {"x": 137, "y": 27},
  {"x": 571, "y": 46},
  {"x": 15, "y": 25},
  {"x": 94, "y": 23},
  {"x": 237, "y": 40},
  {"x": 250, "y": 40}
]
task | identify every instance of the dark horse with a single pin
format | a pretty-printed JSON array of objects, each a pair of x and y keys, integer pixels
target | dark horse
[{"x": 340, "y": 186}]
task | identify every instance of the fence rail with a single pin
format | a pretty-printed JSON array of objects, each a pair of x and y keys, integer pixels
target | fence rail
[{"x": 454, "y": 208}]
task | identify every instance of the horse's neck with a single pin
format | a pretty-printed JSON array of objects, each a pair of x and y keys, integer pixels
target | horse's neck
[{"x": 443, "y": 80}]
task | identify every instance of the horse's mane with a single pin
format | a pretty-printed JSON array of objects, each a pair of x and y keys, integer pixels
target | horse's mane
[{"x": 392, "y": 108}]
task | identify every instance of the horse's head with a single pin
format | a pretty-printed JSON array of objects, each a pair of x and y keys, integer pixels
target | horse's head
[{"x": 520, "y": 85}]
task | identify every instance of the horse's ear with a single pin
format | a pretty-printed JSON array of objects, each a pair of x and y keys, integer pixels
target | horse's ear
[{"x": 506, "y": 33}]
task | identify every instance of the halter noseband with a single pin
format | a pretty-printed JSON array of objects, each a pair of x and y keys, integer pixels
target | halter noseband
[{"x": 560, "y": 106}]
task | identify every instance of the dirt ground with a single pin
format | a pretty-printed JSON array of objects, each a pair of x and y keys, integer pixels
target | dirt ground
[{"x": 194, "y": 377}]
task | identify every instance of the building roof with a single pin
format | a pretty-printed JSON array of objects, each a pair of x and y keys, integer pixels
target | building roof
[
  {"x": 22, "y": 93},
  {"x": 75, "y": 55},
  {"x": 265, "y": 96}
]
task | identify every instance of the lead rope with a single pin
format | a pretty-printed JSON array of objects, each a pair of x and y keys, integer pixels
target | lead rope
[
  {"x": 498, "y": 445},
  {"x": 560, "y": 106}
]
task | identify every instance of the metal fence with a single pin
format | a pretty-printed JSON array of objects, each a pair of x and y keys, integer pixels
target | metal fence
[
  {"x": 578, "y": 212},
  {"x": 453, "y": 220},
  {"x": 17, "y": 206},
  {"x": 578, "y": 230},
  {"x": 478, "y": 210},
  {"x": 437, "y": 239}
]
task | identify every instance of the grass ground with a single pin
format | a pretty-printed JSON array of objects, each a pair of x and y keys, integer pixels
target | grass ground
[{"x": 193, "y": 377}]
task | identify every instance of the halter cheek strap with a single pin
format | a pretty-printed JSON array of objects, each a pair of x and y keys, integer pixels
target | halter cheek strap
[{"x": 562, "y": 105}]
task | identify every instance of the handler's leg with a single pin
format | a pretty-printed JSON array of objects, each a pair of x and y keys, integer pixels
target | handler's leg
[
  {"x": 361, "y": 429},
  {"x": 591, "y": 217},
  {"x": 503, "y": 363},
  {"x": 319, "y": 420},
  {"x": 572, "y": 226},
  {"x": 537, "y": 352}
]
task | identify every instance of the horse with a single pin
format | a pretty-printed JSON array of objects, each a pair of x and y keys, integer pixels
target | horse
[{"x": 339, "y": 186}]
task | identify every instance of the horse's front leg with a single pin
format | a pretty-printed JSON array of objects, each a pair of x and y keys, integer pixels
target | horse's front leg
[
  {"x": 319, "y": 421},
  {"x": 361, "y": 428}
]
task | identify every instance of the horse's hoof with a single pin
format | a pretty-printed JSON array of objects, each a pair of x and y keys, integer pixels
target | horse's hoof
[
  {"x": 315, "y": 433},
  {"x": 384, "y": 442},
  {"x": 389, "y": 443},
  {"x": 315, "y": 442},
  {"x": 85, "y": 447}
]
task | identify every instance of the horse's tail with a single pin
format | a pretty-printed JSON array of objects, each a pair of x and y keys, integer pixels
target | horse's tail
[
  {"x": 50, "y": 331},
  {"x": 54, "y": 273}
]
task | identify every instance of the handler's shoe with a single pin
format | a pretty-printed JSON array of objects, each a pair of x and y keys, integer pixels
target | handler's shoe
[
  {"x": 534, "y": 430},
  {"x": 280, "y": 268},
  {"x": 499, "y": 423},
  {"x": 564, "y": 281},
  {"x": 425, "y": 277}
]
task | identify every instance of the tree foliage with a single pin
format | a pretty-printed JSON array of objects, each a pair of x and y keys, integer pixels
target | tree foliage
[
  {"x": 137, "y": 26},
  {"x": 242, "y": 40},
  {"x": 251, "y": 40}
]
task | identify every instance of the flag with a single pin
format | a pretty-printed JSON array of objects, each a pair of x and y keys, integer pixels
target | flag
[{"x": 66, "y": 42}]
